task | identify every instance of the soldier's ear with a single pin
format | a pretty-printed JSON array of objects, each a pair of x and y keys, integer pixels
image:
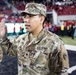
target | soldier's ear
[{"x": 42, "y": 19}]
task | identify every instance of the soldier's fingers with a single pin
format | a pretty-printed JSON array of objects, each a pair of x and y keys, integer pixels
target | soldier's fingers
[
  {"x": 2, "y": 22},
  {"x": 2, "y": 27}
]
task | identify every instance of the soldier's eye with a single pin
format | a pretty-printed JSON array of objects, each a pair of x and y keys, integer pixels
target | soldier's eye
[{"x": 30, "y": 15}]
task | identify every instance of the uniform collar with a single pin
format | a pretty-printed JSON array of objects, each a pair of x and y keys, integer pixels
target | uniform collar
[{"x": 36, "y": 39}]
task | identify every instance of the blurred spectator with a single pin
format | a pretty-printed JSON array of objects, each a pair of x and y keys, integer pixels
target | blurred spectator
[
  {"x": 72, "y": 30},
  {"x": 62, "y": 29},
  {"x": 47, "y": 25},
  {"x": 52, "y": 28},
  {"x": 55, "y": 29}
]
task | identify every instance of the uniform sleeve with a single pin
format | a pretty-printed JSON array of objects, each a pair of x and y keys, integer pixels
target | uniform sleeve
[
  {"x": 64, "y": 59},
  {"x": 58, "y": 60},
  {"x": 8, "y": 47}
]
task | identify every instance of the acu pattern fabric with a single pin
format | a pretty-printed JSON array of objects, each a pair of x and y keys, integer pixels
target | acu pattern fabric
[
  {"x": 35, "y": 9},
  {"x": 41, "y": 55}
]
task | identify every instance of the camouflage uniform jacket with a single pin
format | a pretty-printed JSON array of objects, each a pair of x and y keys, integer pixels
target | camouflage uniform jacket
[{"x": 42, "y": 55}]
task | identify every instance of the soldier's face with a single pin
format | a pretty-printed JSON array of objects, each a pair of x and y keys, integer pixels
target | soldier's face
[{"x": 32, "y": 22}]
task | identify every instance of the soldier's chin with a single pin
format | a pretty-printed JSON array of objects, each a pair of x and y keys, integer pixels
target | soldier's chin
[{"x": 28, "y": 30}]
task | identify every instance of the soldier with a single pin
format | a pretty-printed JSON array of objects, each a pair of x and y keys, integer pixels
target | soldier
[{"x": 39, "y": 51}]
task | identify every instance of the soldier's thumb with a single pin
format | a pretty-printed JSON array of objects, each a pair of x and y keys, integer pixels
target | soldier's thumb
[{"x": 3, "y": 21}]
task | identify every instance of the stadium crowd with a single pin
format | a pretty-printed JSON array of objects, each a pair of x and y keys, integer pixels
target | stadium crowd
[{"x": 12, "y": 16}]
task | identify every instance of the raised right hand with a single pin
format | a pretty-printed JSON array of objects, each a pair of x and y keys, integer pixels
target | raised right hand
[{"x": 2, "y": 29}]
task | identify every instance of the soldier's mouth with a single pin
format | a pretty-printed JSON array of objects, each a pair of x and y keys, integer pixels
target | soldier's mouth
[{"x": 27, "y": 25}]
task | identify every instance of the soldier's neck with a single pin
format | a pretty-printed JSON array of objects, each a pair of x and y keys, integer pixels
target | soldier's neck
[{"x": 36, "y": 32}]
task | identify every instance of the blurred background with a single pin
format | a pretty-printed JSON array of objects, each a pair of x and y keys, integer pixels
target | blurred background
[{"x": 61, "y": 20}]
